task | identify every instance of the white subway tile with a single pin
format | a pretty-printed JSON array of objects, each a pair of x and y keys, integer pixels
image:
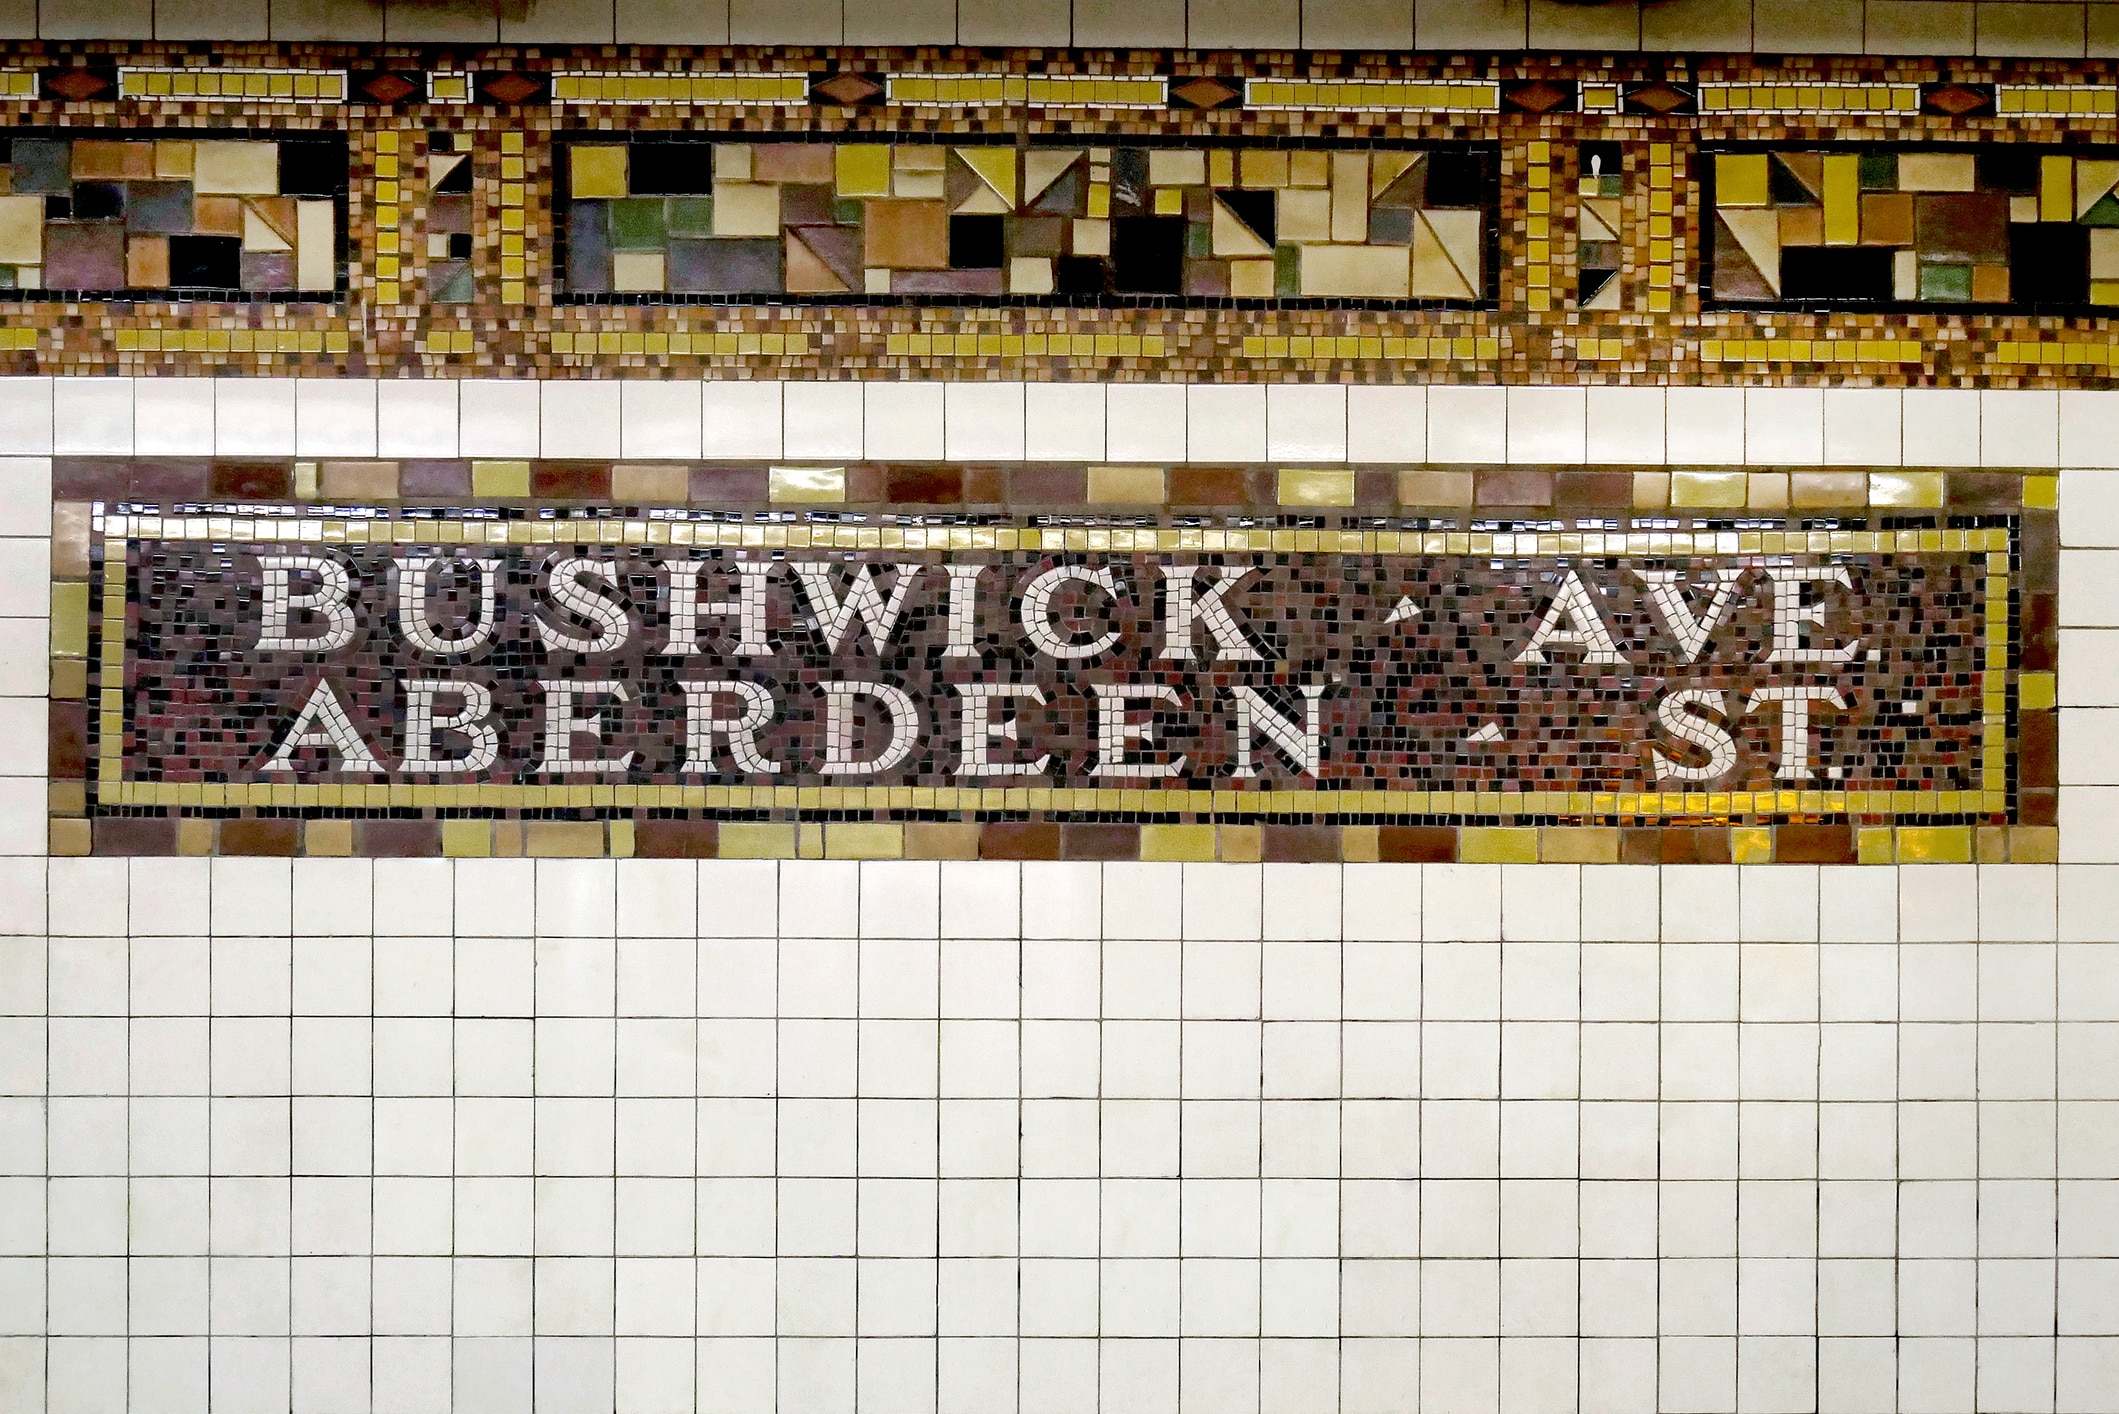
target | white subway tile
[
  {"x": 578, "y": 418},
  {"x": 902, "y": 421},
  {"x": 25, "y": 416},
  {"x": 1145, "y": 422},
  {"x": 1941, "y": 426},
  {"x": 1386, "y": 423},
  {"x": 2089, "y": 428},
  {"x": 1467, "y": 424},
  {"x": 658, "y": 418},
  {"x": 500, "y": 418},
  {"x": 1225, "y": 422},
  {"x": 741, "y": 420},
  {"x": 2019, "y": 427},
  {"x": 822, "y": 419},
  {"x": 417, "y": 417},
  {"x": 92, "y": 416},
  {"x": 1063, "y": 421},
  {"x": 1705, "y": 425},
  {"x": 1862, "y": 426},
  {"x": 253, "y": 417},
  {"x": 335, "y": 417},
  {"x": 1626, "y": 425},
  {"x": 1547, "y": 424},
  {"x": 1306, "y": 422},
  {"x": 172, "y": 417},
  {"x": 2089, "y": 747},
  {"x": 984, "y": 421},
  {"x": 1784, "y": 426}
]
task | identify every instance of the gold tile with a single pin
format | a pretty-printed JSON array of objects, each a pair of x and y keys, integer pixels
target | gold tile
[
  {"x": 194, "y": 837},
  {"x": 1577, "y": 844},
  {"x": 236, "y": 169},
  {"x": 1241, "y": 844},
  {"x": 742, "y": 839},
  {"x": 597, "y": 171},
  {"x": 1360, "y": 844},
  {"x": 69, "y": 839},
  {"x": 500, "y": 478},
  {"x": 1128, "y": 485},
  {"x": 938, "y": 839},
  {"x": 863, "y": 840},
  {"x": 1191, "y": 843},
  {"x": 1704, "y": 490},
  {"x": 811, "y": 485},
  {"x": 327, "y": 838},
  {"x": 1751, "y": 844},
  {"x": 1316, "y": 487},
  {"x": 467, "y": 839},
  {"x": 1497, "y": 844},
  {"x": 563, "y": 839},
  {"x": 1935, "y": 844}
]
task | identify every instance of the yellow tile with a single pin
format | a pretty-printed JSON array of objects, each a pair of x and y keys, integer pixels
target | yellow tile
[
  {"x": 862, "y": 169},
  {"x": 1872, "y": 845},
  {"x": 563, "y": 839},
  {"x": 1935, "y": 844},
  {"x": 749, "y": 840},
  {"x": 69, "y": 620},
  {"x": 2056, "y": 189},
  {"x": 1491, "y": 844},
  {"x": 597, "y": 171},
  {"x": 1843, "y": 198},
  {"x": 1241, "y": 844},
  {"x": 69, "y": 838},
  {"x": 1828, "y": 488},
  {"x": 1708, "y": 489},
  {"x": 1360, "y": 844},
  {"x": 1128, "y": 485},
  {"x": 1991, "y": 844},
  {"x": 1938, "y": 171},
  {"x": 1905, "y": 488},
  {"x": 497, "y": 478},
  {"x": 1316, "y": 487},
  {"x": 1578, "y": 844},
  {"x": 864, "y": 840},
  {"x": 1263, "y": 167},
  {"x": 2041, "y": 492},
  {"x": 467, "y": 839},
  {"x": 1751, "y": 844},
  {"x": 2035, "y": 692},
  {"x": 1191, "y": 843},
  {"x": 21, "y": 230},
  {"x": 69, "y": 679},
  {"x": 1740, "y": 179},
  {"x": 327, "y": 838},
  {"x": 2034, "y": 844},
  {"x": 807, "y": 484},
  {"x": 1308, "y": 167},
  {"x": 236, "y": 168}
]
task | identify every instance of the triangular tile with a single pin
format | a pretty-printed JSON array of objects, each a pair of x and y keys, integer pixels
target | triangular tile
[
  {"x": 1600, "y": 219},
  {"x": 807, "y": 274},
  {"x": 1599, "y": 290},
  {"x": 2104, "y": 213},
  {"x": 1041, "y": 169},
  {"x": 1407, "y": 188},
  {"x": 995, "y": 166},
  {"x": 1735, "y": 276},
  {"x": 449, "y": 171},
  {"x": 839, "y": 247},
  {"x": 1064, "y": 197},
  {"x": 1233, "y": 235},
  {"x": 1445, "y": 254},
  {"x": 2094, "y": 179},
  {"x": 1796, "y": 178},
  {"x": 1757, "y": 231},
  {"x": 268, "y": 225}
]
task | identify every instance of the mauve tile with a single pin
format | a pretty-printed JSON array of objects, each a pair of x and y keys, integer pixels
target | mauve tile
[
  {"x": 728, "y": 486},
  {"x": 266, "y": 270},
  {"x": 1586, "y": 490},
  {"x": 864, "y": 483},
  {"x": 69, "y": 740},
  {"x": 1301, "y": 844},
  {"x": 135, "y": 835},
  {"x": 92, "y": 478},
  {"x": 2038, "y": 633},
  {"x": 725, "y": 267},
  {"x": 1047, "y": 485},
  {"x": 2039, "y": 541},
  {"x": 251, "y": 481},
  {"x": 1376, "y": 491},
  {"x": 398, "y": 839},
  {"x": 434, "y": 479},
  {"x": 84, "y": 257},
  {"x": 169, "y": 480},
  {"x": 1099, "y": 841},
  {"x": 1019, "y": 839},
  {"x": 1514, "y": 487}
]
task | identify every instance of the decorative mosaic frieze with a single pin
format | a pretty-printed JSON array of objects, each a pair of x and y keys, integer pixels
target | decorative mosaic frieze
[
  {"x": 257, "y": 85},
  {"x": 2015, "y": 226},
  {"x": 1052, "y": 91},
  {"x": 186, "y": 216},
  {"x": 854, "y": 220},
  {"x": 1696, "y": 663}
]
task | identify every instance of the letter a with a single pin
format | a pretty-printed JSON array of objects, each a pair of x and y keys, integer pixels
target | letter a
[{"x": 1585, "y": 628}]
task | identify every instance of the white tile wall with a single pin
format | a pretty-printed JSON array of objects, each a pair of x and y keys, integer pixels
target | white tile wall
[
  {"x": 646, "y": 1137},
  {"x": 1294, "y": 424}
]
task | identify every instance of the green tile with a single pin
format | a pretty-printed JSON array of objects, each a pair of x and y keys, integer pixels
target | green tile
[
  {"x": 1287, "y": 270},
  {"x": 637, "y": 224},
  {"x": 691, "y": 215},
  {"x": 1946, "y": 282},
  {"x": 1879, "y": 171}
]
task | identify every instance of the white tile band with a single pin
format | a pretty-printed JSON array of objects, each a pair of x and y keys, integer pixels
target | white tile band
[{"x": 1295, "y": 423}]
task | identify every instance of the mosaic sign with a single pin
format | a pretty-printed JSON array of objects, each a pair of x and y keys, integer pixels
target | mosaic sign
[{"x": 783, "y": 666}]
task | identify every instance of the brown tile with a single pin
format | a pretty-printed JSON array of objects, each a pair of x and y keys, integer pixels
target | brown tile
[
  {"x": 168, "y": 479},
  {"x": 905, "y": 235},
  {"x": 2038, "y": 750},
  {"x": 1301, "y": 844},
  {"x": 1047, "y": 485},
  {"x": 1886, "y": 219},
  {"x": 1586, "y": 490},
  {"x": 803, "y": 162},
  {"x": 728, "y": 485},
  {"x": 251, "y": 481},
  {"x": 69, "y": 739},
  {"x": 676, "y": 839},
  {"x": 1640, "y": 846},
  {"x": 2039, "y": 633},
  {"x": 90, "y": 478},
  {"x": 1099, "y": 841},
  {"x": 2039, "y": 541},
  {"x": 256, "y": 837},
  {"x": 1019, "y": 839},
  {"x": 1984, "y": 491},
  {"x": 1814, "y": 844},
  {"x": 924, "y": 485},
  {"x": 434, "y": 479},
  {"x": 1513, "y": 487},
  {"x": 2038, "y": 807},
  {"x": 1417, "y": 844},
  {"x": 985, "y": 486},
  {"x": 398, "y": 839},
  {"x": 217, "y": 216},
  {"x": 864, "y": 484},
  {"x": 136, "y": 836},
  {"x": 570, "y": 481},
  {"x": 1208, "y": 486},
  {"x": 147, "y": 262}
]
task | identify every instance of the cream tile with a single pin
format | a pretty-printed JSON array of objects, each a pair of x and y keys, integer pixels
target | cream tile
[
  {"x": 1806, "y": 26},
  {"x": 26, "y": 415},
  {"x": 1386, "y": 423},
  {"x": 673, "y": 21},
  {"x": 1306, "y": 422},
  {"x": 1034, "y": 23},
  {"x": 1547, "y": 425},
  {"x": 822, "y": 419},
  {"x": 658, "y": 418},
  {"x": 907, "y": 22},
  {"x": 1129, "y": 24},
  {"x": 1145, "y": 422},
  {"x": 2019, "y": 427},
  {"x": 1625, "y": 425},
  {"x": 559, "y": 22},
  {"x": 171, "y": 417},
  {"x": 1700, "y": 904},
  {"x": 1705, "y": 425},
  {"x": 334, "y": 417},
  {"x": 1302, "y": 901},
  {"x": 2089, "y": 825},
  {"x": 2091, "y": 675},
  {"x": 472, "y": 22},
  {"x": 1063, "y": 421},
  {"x": 1918, "y": 27},
  {"x": 784, "y": 22},
  {"x": 1557, "y": 25},
  {"x": 1941, "y": 426},
  {"x": 1467, "y": 424},
  {"x": 205, "y": 19},
  {"x": 902, "y": 421},
  {"x": 1225, "y": 422},
  {"x": 1714, "y": 26},
  {"x": 92, "y": 416},
  {"x": 1357, "y": 24},
  {"x": 2089, "y": 428},
  {"x": 327, "y": 19},
  {"x": 499, "y": 418},
  {"x": 1223, "y": 903},
  {"x": 2089, "y": 747},
  {"x": 984, "y": 421},
  {"x": 97, "y": 19},
  {"x": 1862, "y": 426},
  {"x": 1142, "y": 901},
  {"x": 253, "y": 417},
  {"x": 2089, "y": 508},
  {"x": 1243, "y": 24},
  {"x": 742, "y": 419},
  {"x": 2043, "y": 30},
  {"x": 1784, "y": 426},
  {"x": 1471, "y": 24},
  {"x": 417, "y": 417},
  {"x": 2089, "y": 913},
  {"x": 1540, "y": 903},
  {"x": 579, "y": 418}
]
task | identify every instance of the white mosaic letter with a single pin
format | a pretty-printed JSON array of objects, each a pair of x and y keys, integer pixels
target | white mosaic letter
[
  {"x": 978, "y": 731},
  {"x": 748, "y": 607},
  {"x": 323, "y": 723},
  {"x": 564, "y": 582},
  {"x": 415, "y": 581},
  {"x": 1585, "y": 629},
  {"x": 701, "y": 726},
  {"x": 1037, "y": 612},
  {"x": 332, "y": 599},
  {"x": 839, "y": 699},
  {"x": 1184, "y": 609},
  {"x": 562, "y": 719},
  {"x": 1694, "y": 728},
  {"x": 472, "y": 720}
]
